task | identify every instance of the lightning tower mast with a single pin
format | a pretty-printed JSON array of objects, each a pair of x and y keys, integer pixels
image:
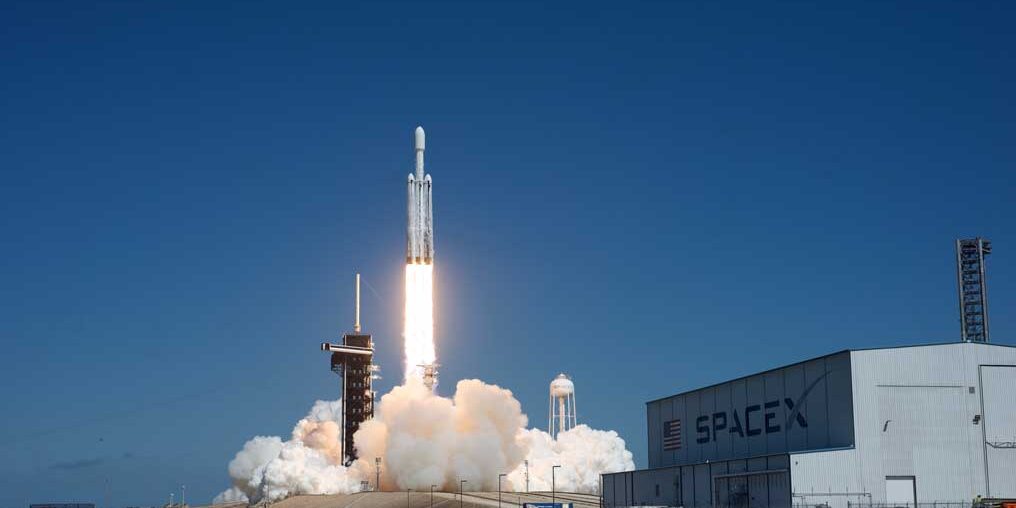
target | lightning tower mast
[{"x": 972, "y": 285}]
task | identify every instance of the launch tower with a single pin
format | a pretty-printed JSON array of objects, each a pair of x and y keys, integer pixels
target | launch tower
[{"x": 353, "y": 361}]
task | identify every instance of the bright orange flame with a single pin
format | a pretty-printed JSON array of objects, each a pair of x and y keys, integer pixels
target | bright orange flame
[{"x": 419, "y": 327}]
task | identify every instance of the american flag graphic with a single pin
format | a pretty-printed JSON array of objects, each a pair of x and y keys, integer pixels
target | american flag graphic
[{"x": 671, "y": 435}]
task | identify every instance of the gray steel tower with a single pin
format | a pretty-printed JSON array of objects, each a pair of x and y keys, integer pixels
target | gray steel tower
[{"x": 972, "y": 285}]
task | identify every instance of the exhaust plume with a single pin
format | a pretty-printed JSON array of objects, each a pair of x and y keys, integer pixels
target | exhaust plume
[
  {"x": 419, "y": 325},
  {"x": 424, "y": 439}
]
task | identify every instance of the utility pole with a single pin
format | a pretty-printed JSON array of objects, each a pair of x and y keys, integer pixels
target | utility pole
[
  {"x": 552, "y": 483},
  {"x": 502, "y": 475}
]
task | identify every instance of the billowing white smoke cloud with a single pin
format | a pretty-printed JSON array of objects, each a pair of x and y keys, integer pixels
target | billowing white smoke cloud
[
  {"x": 423, "y": 440},
  {"x": 582, "y": 453},
  {"x": 309, "y": 463}
]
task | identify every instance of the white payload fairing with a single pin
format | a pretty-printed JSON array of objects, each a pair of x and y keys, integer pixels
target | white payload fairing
[{"x": 420, "y": 227}]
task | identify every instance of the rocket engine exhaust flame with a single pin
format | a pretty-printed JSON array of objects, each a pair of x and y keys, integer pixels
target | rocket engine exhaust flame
[{"x": 419, "y": 325}]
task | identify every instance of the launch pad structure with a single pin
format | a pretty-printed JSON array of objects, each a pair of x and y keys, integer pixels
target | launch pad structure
[{"x": 353, "y": 361}]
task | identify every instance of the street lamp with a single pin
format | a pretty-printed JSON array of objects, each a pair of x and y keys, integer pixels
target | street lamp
[
  {"x": 462, "y": 484},
  {"x": 552, "y": 483},
  {"x": 502, "y": 475}
]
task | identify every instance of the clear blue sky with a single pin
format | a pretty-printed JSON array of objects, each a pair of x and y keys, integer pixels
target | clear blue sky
[{"x": 648, "y": 196}]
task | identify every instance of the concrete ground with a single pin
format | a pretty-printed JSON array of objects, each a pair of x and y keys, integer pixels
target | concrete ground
[{"x": 441, "y": 500}]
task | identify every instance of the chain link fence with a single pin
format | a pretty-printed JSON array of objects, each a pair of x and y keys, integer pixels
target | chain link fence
[{"x": 932, "y": 504}]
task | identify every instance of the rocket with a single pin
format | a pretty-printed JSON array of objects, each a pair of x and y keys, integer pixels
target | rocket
[{"x": 420, "y": 213}]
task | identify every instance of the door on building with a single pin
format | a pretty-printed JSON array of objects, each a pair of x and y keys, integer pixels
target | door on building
[
  {"x": 762, "y": 489},
  {"x": 998, "y": 383},
  {"x": 900, "y": 491}
]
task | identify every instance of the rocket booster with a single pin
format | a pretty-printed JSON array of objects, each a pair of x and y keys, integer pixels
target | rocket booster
[{"x": 420, "y": 213}]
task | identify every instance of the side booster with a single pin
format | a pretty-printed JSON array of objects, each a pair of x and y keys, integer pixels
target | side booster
[{"x": 420, "y": 226}]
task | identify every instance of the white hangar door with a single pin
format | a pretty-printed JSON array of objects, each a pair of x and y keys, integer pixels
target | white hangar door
[
  {"x": 900, "y": 491},
  {"x": 998, "y": 392}
]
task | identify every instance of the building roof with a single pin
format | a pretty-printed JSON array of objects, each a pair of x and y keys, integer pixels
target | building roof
[{"x": 934, "y": 344}]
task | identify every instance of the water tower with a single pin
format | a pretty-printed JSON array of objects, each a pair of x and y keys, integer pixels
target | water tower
[{"x": 562, "y": 405}]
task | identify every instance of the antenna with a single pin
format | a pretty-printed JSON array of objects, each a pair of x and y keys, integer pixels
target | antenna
[{"x": 356, "y": 325}]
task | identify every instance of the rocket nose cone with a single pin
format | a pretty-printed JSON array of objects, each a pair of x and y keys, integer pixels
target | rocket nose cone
[{"x": 421, "y": 139}]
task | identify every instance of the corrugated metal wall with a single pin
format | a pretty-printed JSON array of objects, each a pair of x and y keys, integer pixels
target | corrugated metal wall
[
  {"x": 998, "y": 391},
  {"x": 923, "y": 435},
  {"x": 762, "y": 482},
  {"x": 915, "y": 415},
  {"x": 831, "y": 478},
  {"x": 807, "y": 406}
]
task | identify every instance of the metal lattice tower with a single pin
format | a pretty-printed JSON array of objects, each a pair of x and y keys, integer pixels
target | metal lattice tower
[
  {"x": 353, "y": 361},
  {"x": 972, "y": 285}
]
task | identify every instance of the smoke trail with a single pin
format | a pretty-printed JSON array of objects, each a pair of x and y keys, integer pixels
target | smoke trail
[{"x": 419, "y": 325}]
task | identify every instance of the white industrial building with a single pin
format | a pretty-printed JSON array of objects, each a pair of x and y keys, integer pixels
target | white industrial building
[{"x": 895, "y": 426}]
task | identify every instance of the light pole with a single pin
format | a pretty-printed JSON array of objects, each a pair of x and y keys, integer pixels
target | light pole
[
  {"x": 552, "y": 483},
  {"x": 377, "y": 474},
  {"x": 527, "y": 475},
  {"x": 502, "y": 475},
  {"x": 432, "y": 495},
  {"x": 462, "y": 484}
]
